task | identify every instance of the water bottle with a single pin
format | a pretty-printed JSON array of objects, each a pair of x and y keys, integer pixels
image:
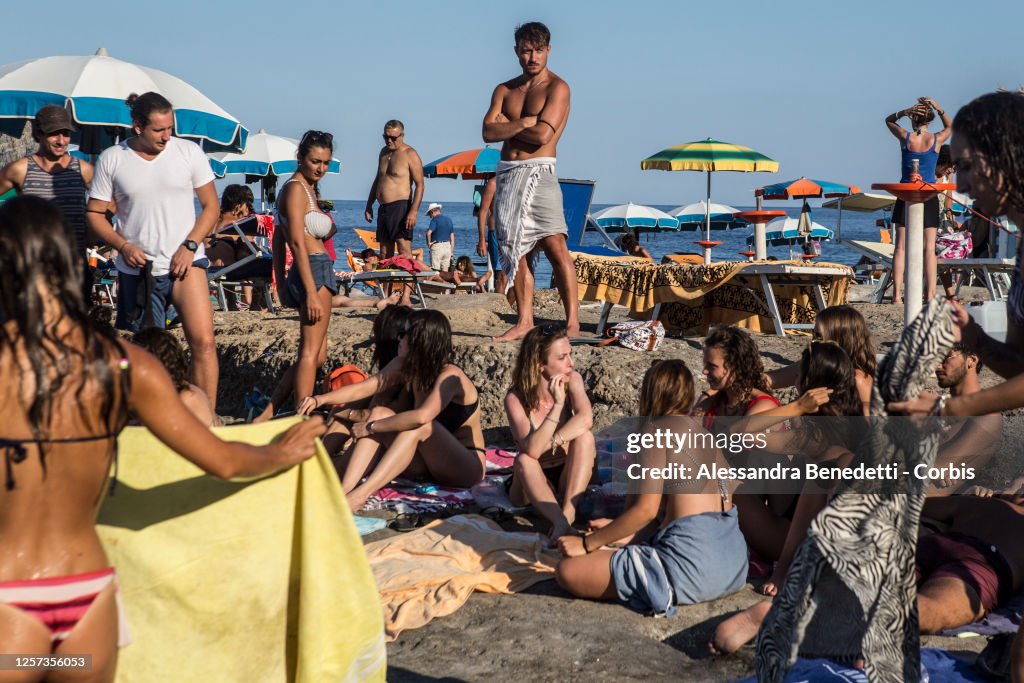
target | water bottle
[{"x": 915, "y": 171}]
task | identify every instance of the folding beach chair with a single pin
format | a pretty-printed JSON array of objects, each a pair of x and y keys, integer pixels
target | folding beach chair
[{"x": 256, "y": 268}]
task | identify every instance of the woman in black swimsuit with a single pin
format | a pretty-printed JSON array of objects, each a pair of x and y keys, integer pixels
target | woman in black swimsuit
[
  {"x": 67, "y": 387},
  {"x": 439, "y": 439}
]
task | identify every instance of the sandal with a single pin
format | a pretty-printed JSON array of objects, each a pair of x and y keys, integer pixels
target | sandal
[{"x": 405, "y": 522}]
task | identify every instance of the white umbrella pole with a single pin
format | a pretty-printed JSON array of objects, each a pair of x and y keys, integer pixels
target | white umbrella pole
[
  {"x": 707, "y": 222},
  {"x": 760, "y": 235}
]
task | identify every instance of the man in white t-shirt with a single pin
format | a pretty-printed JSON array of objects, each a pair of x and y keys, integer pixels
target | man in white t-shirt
[{"x": 151, "y": 178}]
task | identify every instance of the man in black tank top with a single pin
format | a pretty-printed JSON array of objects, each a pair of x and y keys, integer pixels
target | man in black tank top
[{"x": 52, "y": 173}]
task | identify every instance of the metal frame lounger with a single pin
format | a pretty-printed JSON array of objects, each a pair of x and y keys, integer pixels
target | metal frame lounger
[
  {"x": 995, "y": 272},
  {"x": 378, "y": 278}
]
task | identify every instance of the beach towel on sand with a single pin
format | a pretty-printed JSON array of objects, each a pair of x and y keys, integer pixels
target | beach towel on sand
[
  {"x": 937, "y": 666},
  {"x": 261, "y": 580},
  {"x": 851, "y": 587},
  {"x": 527, "y": 208},
  {"x": 431, "y": 572}
]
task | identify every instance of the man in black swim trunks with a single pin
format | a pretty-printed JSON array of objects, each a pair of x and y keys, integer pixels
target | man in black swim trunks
[{"x": 399, "y": 169}]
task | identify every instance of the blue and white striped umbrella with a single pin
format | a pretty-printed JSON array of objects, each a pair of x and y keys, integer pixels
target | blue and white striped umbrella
[
  {"x": 93, "y": 89},
  {"x": 265, "y": 154},
  {"x": 693, "y": 216},
  {"x": 787, "y": 230},
  {"x": 635, "y": 216}
]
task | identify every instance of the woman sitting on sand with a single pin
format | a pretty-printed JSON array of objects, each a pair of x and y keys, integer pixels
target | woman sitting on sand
[
  {"x": 698, "y": 553},
  {"x": 167, "y": 349},
  {"x": 732, "y": 366},
  {"x": 388, "y": 328},
  {"x": 439, "y": 438},
  {"x": 845, "y": 326},
  {"x": 551, "y": 419},
  {"x": 828, "y": 390},
  {"x": 67, "y": 389}
]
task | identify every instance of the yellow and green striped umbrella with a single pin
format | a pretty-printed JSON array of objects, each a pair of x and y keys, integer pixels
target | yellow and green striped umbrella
[{"x": 709, "y": 155}]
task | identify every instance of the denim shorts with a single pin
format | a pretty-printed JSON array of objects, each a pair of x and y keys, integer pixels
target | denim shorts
[
  {"x": 132, "y": 314},
  {"x": 322, "y": 267}
]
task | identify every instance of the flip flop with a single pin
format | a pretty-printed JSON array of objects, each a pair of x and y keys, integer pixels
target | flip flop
[{"x": 405, "y": 522}]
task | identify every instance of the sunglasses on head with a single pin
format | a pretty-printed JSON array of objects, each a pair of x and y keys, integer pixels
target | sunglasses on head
[
  {"x": 318, "y": 137},
  {"x": 392, "y": 138}
]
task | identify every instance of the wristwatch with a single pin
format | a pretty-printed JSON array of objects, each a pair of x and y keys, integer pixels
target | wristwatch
[{"x": 191, "y": 245}]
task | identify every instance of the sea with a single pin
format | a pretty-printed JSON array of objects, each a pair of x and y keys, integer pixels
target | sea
[{"x": 348, "y": 214}]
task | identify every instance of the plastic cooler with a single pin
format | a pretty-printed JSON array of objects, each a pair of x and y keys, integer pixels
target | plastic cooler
[{"x": 991, "y": 315}]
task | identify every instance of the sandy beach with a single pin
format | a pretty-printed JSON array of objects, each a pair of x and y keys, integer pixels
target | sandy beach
[{"x": 543, "y": 634}]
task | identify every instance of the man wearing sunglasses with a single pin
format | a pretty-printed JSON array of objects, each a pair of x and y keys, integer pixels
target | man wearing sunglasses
[
  {"x": 528, "y": 115},
  {"x": 52, "y": 173}
]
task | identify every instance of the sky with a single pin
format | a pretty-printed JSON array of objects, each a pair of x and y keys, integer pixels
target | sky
[{"x": 808, "y": 83}]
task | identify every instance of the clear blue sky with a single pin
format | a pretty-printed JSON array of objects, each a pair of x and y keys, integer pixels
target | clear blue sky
[{"x": 808, "y": 82}]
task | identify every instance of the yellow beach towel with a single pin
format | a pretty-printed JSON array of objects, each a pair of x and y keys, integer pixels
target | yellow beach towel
[
  {"x": 262, "y": 580},
  {"x": 432, "y": 571}
]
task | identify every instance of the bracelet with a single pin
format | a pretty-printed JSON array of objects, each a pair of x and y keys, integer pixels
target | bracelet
[
  {"x": 585, "y": 548},
  {"x": 316, "y": 402},
  {"x": 369, "y": 427},
  {"x": 551, "y": 419}
]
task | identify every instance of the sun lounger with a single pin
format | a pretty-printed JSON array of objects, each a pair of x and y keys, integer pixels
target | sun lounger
[
  {"x": 378, "y": 278},
  {"x": 256, "y": 268},
  {"x": 995, "y": 272}
]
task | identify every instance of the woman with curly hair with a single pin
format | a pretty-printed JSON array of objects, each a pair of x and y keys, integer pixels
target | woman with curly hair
[
  {"x": 438, "y": 439},
  {"x": 172, "y": 356},
  {"x": 845, "y": 326},
  {"x": 67, "y": 388},
  {"x": 550, "y": 417},
  {"x": 732, "y": 367}
]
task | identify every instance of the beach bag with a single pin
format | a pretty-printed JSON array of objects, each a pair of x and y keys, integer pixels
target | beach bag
[
  {"x": 955, "y": 245},
  {"x": 341, "y": 377},
  {"x": 644, "y": 335}
]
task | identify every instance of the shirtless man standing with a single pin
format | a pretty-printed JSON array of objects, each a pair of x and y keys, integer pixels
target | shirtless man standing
[
  {"x": 528, "y": 114},
  {"x": 398, "y": 168}
]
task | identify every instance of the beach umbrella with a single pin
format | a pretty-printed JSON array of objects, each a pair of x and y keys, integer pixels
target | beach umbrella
[
  {"x": 93, "y": 89},
  {"x": 471, "y": 164},
  {"x": 709, "y": 156},
  {"x": 721, "y": 215},
  {"x": 789, "y": 230},
  {"x": 635, "y": 217},
  {"x": 265, "y": 158},
  {"x": 865, "y": 202},
  {"x": 805, "y": 188}
]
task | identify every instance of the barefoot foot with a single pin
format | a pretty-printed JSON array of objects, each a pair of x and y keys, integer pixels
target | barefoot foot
[
  {"x": 739, "y": 629},
  {"x": 514, "y": 334}
]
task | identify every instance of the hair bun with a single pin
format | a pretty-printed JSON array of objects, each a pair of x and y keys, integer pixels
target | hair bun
[{"x": 131, "y": 99}]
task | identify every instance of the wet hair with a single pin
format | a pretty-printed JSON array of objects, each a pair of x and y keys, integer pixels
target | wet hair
[
  {"x": 993, "y": 125},
  {"x": 533, "y": 32},
  {"x": 667, "y": 389},
  {"x": 235, "y": 196},
  {"x": 742, "y": 359},
  {"x": 394, "y": 124},
  {"x": 534, "y": 350},
  {"x": 826, "y": 364},
  {"x": 146, "y": 104},
  {"x": 430, "y": 348},
  {"x": 169, "y": 351},
  {"x": 629, "y": 242},
  {"x": 464, "y": 265},
  {"x": 387, "y": 327},
  {"x": 314, "y": 138},
  {"x": 367, "y": 253},
  {"x": 847, "y": 327},
  {"x": 36, "y": 253}
]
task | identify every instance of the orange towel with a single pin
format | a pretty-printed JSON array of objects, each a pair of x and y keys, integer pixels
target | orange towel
[{"x": 431, "y": 572}]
